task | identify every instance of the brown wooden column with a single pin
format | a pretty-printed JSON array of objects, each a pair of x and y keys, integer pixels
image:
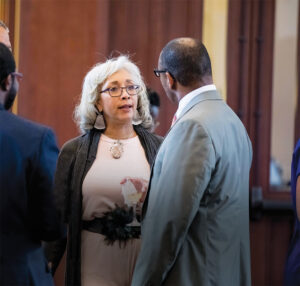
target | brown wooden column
[
  {"x": 238, "y": 58},
  {"x": 249, "y": 71}
]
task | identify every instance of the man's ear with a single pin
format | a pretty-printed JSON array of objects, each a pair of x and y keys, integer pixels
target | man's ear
[
  {"x": 171, "y": 81},
  {"x": 6, "y": 84}
]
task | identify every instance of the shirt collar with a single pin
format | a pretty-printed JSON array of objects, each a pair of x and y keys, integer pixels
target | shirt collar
[{"x": 188, "y": 97}]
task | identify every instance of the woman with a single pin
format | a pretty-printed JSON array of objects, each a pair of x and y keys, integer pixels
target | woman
[
  {"x": 292, "y": 267},
  {"x": 97, "y": 200}
]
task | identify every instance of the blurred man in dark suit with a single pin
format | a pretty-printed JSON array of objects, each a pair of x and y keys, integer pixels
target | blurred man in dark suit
[{"x": 28, "y": 154}]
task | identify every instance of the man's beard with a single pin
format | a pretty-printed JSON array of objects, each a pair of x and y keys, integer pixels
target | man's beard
[{"x": 10, "y": 97}]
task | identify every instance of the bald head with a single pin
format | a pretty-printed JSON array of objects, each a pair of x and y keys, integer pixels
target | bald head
[
  {"x": 4, "y": 35},
  {"x": 187, "y": 60}
]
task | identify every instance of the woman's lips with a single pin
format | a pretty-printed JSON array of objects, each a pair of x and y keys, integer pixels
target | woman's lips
[{"x": 126, "y": 107}]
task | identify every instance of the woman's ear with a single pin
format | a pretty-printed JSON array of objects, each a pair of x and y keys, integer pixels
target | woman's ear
[{"x": 99, "y": 105}]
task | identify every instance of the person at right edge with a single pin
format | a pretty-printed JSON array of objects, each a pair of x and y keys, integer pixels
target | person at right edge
[
  {"x": 292, "y": 267},
  {"x": 195, "y": 227}
]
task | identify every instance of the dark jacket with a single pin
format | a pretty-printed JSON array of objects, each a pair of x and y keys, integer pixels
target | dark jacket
[
  {"x": 28, "y": 155},
  {"x": 75, "y": 159}
]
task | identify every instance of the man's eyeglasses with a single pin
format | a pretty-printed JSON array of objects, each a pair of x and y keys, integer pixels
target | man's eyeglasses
[
  {"x": 18, "y": 75},
  {"x": 158, "y": 72},
  {"x": 117, "y": 91}
]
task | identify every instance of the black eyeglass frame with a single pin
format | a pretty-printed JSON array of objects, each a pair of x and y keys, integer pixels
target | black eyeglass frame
[
  {"x": 157, "y": 73},
  {"x": 138, "y": 90},
  {"x": 18, "y": 75}
]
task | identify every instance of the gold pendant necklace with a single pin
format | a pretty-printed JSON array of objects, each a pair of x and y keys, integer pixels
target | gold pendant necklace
[{"x": 116, "y": 149}]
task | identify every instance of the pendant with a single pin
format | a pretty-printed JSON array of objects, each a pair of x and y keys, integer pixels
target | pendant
[{"x": 116, "y": 149}]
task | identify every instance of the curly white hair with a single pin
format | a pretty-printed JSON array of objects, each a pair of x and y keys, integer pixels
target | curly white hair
[{"x": 85, "y": 112}]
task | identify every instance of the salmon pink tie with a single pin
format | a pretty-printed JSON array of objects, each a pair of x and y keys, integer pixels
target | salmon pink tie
[{"x": 174, "y": 120}]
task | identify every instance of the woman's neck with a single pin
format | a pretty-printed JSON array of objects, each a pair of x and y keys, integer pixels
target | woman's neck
[{"x": 120, "y": 131}]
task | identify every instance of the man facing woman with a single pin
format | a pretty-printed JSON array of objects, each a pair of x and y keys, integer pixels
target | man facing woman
[{"x": 95, "y": 196}]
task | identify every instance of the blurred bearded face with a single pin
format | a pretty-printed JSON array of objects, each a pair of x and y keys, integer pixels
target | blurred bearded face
[
  {"x": 11, "y": 94},
  {"x": 4, "y": 38}
]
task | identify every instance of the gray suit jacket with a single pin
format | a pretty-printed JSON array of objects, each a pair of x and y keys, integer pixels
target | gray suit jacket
[{"x": 196, "y": 225}]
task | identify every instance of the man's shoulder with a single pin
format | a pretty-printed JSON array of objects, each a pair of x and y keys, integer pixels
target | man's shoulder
[
  {"x": 22, "y": 127},
  {"x": 210, "y": 112},
  {"x": 23, "y": 122}
]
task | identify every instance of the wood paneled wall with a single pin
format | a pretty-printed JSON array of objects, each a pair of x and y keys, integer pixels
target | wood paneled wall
[
  {"x": 59, "y": 42},
  {"x": 250, "y": 70},
  {"x": 250, "y": 66},
  {"x": 62, "y": 39}
]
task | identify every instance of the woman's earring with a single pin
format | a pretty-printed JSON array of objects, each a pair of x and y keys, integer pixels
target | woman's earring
[
  {"x": 99, "y": 122},
  {"x": 137, "y": 119}
]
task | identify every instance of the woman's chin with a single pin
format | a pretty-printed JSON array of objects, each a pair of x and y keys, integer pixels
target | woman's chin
[{"x": 126, "y": 120}]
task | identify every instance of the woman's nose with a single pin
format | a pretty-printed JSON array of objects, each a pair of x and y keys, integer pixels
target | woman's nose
[{"x": 124, "y": 94}]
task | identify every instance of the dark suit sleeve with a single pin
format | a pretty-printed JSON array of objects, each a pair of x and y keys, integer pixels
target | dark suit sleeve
[{"x": 44, "y": 219}]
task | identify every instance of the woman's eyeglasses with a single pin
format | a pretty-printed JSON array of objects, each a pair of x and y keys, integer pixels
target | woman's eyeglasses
[{"x": 117, "y": 91}]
